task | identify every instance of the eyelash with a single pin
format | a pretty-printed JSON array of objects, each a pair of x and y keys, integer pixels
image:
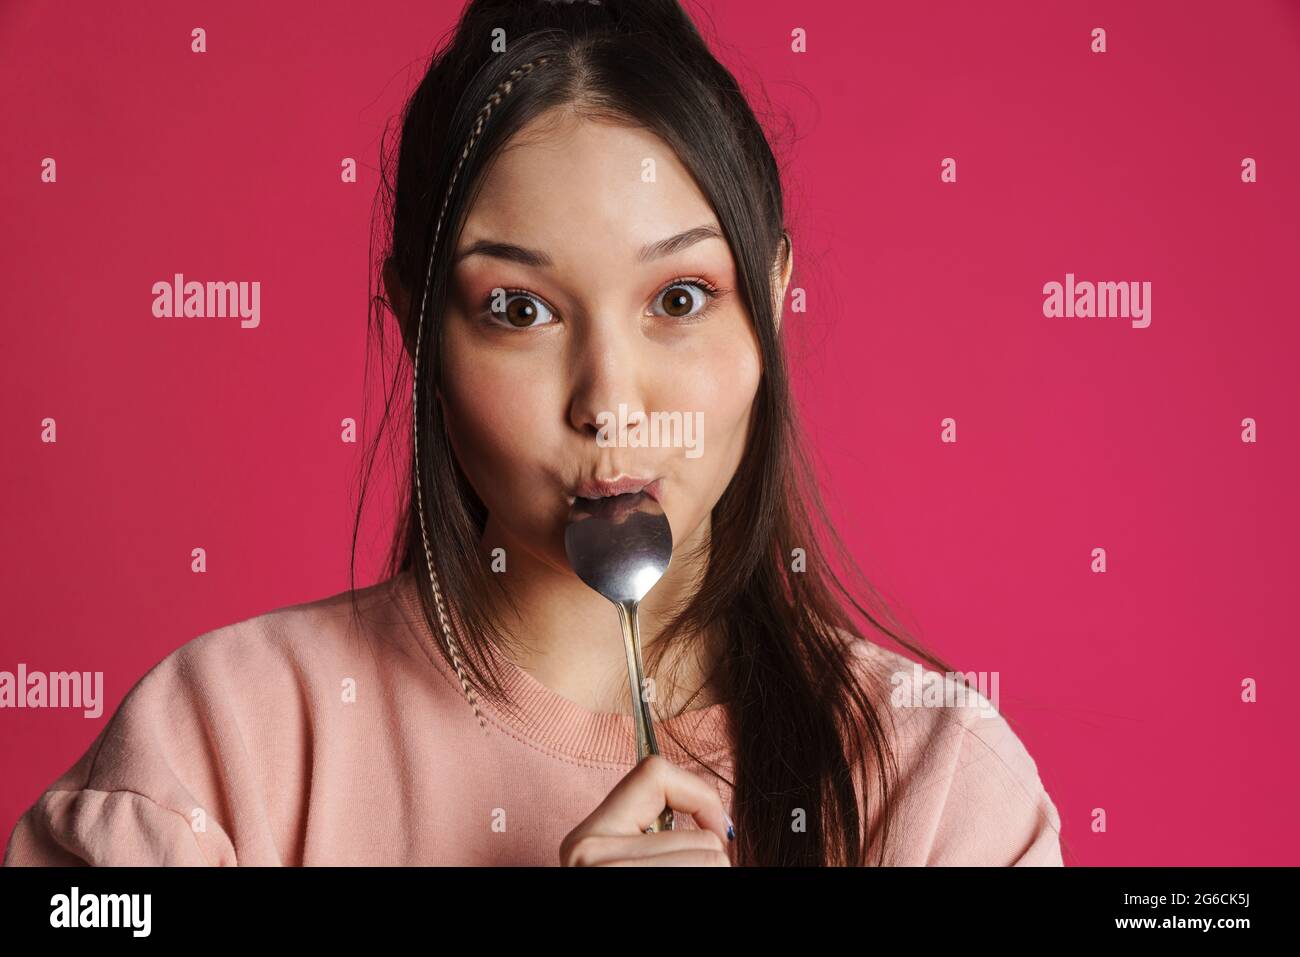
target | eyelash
[{"x": 712, "y": 293}]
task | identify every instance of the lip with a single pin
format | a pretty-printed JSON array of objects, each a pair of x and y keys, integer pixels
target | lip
[{"x": 619, "y": 485}]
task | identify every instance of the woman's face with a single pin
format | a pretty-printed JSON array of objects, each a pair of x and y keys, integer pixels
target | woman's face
[{"x": 565, "y": 305}]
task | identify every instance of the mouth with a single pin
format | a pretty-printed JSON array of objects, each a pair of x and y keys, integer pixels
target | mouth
[{"x": 621, "y": 485}]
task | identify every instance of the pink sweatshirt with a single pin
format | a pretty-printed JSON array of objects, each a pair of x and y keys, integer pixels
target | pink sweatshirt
[{"x": 292, "y": 739}]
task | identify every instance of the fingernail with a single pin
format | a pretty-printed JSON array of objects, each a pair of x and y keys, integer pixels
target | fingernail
[{"x": 731, "y": 828}]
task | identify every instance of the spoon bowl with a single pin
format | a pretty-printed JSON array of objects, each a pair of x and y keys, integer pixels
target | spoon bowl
[{"x": 620, "y": 545}]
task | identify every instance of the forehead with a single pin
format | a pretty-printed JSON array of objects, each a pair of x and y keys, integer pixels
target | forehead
[{"x": 585, "y": 189}]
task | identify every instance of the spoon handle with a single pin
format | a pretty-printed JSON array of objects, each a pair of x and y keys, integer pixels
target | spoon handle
[{"x": 645, "y": 729}]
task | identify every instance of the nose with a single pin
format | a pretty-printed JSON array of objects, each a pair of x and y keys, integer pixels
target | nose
[{"x": 608, "y": 365}]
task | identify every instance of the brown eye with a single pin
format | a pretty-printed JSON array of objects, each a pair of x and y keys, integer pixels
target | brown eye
[
  {"x": 677, "y": 302},
  {"x": 521, "y": 310},
  {"x": 684, "y": 300}
]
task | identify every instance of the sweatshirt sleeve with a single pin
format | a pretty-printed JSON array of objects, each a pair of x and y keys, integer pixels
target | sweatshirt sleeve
[
  {"x": 966, "y": 791},
  {"x": 152, "y": 785},
  {"x": 88, "y": 827},
  {"x": 995, "y": 810}
]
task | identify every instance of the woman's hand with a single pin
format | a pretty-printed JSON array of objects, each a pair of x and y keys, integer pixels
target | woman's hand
[{"x": 614, "y": 835}]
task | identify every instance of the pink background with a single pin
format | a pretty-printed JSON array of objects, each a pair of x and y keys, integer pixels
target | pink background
[{"x": 924, "y": 301}]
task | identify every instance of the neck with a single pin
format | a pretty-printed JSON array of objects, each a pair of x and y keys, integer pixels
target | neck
[{"x": 567, "y": 636}]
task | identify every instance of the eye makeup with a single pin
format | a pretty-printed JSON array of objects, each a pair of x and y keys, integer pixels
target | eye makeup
[{"x": 710, "y": 293}]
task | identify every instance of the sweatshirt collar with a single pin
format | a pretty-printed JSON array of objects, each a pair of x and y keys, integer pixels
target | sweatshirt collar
[{"x": 563, "y": 727}]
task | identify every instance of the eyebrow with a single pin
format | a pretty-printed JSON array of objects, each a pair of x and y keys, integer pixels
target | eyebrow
[{"x": 536, "y": 258}]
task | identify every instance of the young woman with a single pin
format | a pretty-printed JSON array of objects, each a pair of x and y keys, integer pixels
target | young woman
[{"x": 585, "y": 215}]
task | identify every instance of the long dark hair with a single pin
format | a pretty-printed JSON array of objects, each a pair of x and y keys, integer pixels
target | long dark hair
[{"x": 810, "y": 731}]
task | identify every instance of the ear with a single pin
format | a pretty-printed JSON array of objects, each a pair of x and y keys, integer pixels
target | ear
[
  {"x": 399, "y": 301},
  {"x": 781, "y": 271}
]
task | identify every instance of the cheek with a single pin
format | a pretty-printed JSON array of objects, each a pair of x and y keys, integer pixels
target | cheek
[
  {"x": 496, "y": 408},
  {"x": 721, "y": 380}
]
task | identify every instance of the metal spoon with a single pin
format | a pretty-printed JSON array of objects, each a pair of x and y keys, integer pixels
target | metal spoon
[{"x": 621, "y": 546}]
